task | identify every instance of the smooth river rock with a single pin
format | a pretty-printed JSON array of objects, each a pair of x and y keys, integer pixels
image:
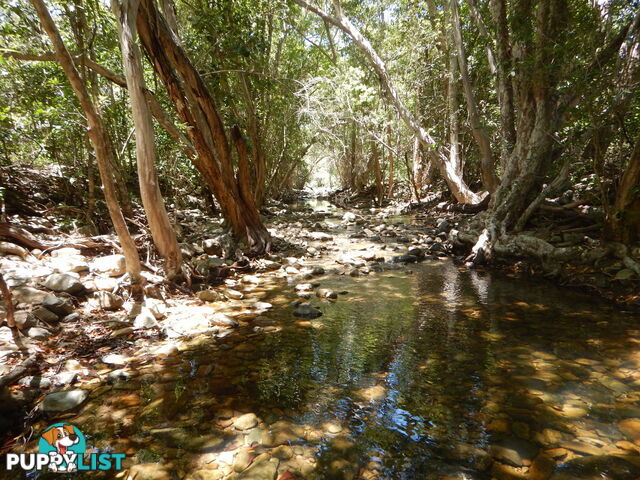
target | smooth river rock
[
  {"x": 64, "y": 401},
  {"x": 305, "y": 310},
  {"x": 63, "y": 282}
]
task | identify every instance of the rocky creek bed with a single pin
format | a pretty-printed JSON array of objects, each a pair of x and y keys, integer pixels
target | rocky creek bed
[{"x": 358, "y": 351}]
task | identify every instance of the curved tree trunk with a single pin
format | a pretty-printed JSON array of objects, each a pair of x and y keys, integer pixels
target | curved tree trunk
[
  {"x": 99, "y": 139},
  {"x": 196, "y": 108},
  {"x": 162, "y": 232}
]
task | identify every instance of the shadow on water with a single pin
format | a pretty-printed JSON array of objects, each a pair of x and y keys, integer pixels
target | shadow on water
[{"x": 432, "y": 374}]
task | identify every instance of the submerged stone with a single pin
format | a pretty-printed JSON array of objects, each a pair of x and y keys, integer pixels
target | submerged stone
[
  {"x": 603, "y": 467},
  {"x": 305, "y": 310}
]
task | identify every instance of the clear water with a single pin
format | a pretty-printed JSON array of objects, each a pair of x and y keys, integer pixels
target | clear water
[{"x": 418, "y": 373}]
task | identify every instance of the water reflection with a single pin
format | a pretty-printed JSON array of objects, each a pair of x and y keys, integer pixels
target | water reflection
[{"x": 422, "y": 375}]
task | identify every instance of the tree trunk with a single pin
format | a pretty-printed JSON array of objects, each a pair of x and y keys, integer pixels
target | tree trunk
[
  {"x": 624, "y": 222},
  {"x": 99, "y": 139},
  {"x": 455, "y": 157},
  {"x": 197, "y": 110},
  {"x": 162, "y": 232},
  {"x": 456, "y": 184},
  {"x": 377, "y": 173},
  {"x": 259, "y": 163},
  {"x": 487, "y": 168},
  {"x": 504, "y": 84}
]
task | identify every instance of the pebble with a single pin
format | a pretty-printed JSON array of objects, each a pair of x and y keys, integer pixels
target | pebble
[
  {"x": 38, "y": 333},
  {"x": 111, "y": 265}
]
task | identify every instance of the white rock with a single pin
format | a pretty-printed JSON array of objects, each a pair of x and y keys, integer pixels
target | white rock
[
  {"x": 64, "y": 401},
  {"x": 64, "y": 282},
  {"x": 145, "y": 319},
  {"x": 112, "y": 265}
]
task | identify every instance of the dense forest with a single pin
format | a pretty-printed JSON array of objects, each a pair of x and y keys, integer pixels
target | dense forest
[{"x": 178, "y": 179}]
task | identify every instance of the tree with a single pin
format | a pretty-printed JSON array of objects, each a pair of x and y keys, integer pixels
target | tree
[
  {"x": 197, "y": 109},
  {"x": 99, "y": 139},
  {"x": 448, "y": 170},
  {"x": 162, "y": 231}
]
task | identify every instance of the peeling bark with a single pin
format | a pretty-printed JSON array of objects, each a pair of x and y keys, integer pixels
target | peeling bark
[
  {"x": 162, "y": 231},
  {"x": 197, "y": 109}
]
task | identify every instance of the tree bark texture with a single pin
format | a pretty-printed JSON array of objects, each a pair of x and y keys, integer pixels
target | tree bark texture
[
  {"x": 162, "y": 231},
  {"x": 196, "y": 108},
  {"x": 99, "y": 139}
]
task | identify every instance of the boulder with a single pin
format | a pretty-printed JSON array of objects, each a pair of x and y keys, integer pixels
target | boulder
[
  {"x": 442, "y": 225},
  {"x": 115, "y": 359},
  {"x": 107, "y": 300},
  {"x": 233, "y": 294},
  {"x": 63, "y": 282},
  {"x": 29, "y": 295},
  {"x": 246, "y": 421},
  {"x": 37, "y": 382},
  {"x": 212, "y": 246},
  {"x": 69, "y": 264},
  {"x": 38, "y": 333},
  {"x": 349, "y": 217},
  {"x": 111, "y": 265},
  {"x": 514, "y": 451},
  {"x": 209, "y": 295},
  {"x": 145, "y": 319},
  {"x": 305, "y": 310},
  {"x": 63, "y": 401},
  {"x": 45, "y": 315},
  {"x": 223, "y": 320},
  {"x": 61, "y": 306},
  {"x": 326, "y": 293},
  {"x": 24, "y": 320},
  {"x": 404, "y": 259},
  {"x": 631, "y": 428},
  {"x": 320, "y": 236}
]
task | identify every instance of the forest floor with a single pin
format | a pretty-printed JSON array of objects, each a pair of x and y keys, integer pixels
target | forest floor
[{"x": 80, "y": 332}]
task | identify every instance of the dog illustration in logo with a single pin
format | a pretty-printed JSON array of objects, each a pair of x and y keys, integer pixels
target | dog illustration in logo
[{"x": 61, "y": 437}]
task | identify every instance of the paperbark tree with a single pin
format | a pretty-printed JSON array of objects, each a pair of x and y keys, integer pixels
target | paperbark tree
[
  {"x": 162, "y": 231},
  {"x": 197, "y": 109},
  {"x": 487, "y": 167},
  {"x": 99, "y": 139},
  {"x": 542, "y": 111},
  {"x": 624, "y": 221},
  {"x": 455, "y": 182},
  {"x": 504, "y": 85}
]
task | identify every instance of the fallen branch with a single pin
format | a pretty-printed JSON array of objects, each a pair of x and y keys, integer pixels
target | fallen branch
[{"x": 20, "y": 236}]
